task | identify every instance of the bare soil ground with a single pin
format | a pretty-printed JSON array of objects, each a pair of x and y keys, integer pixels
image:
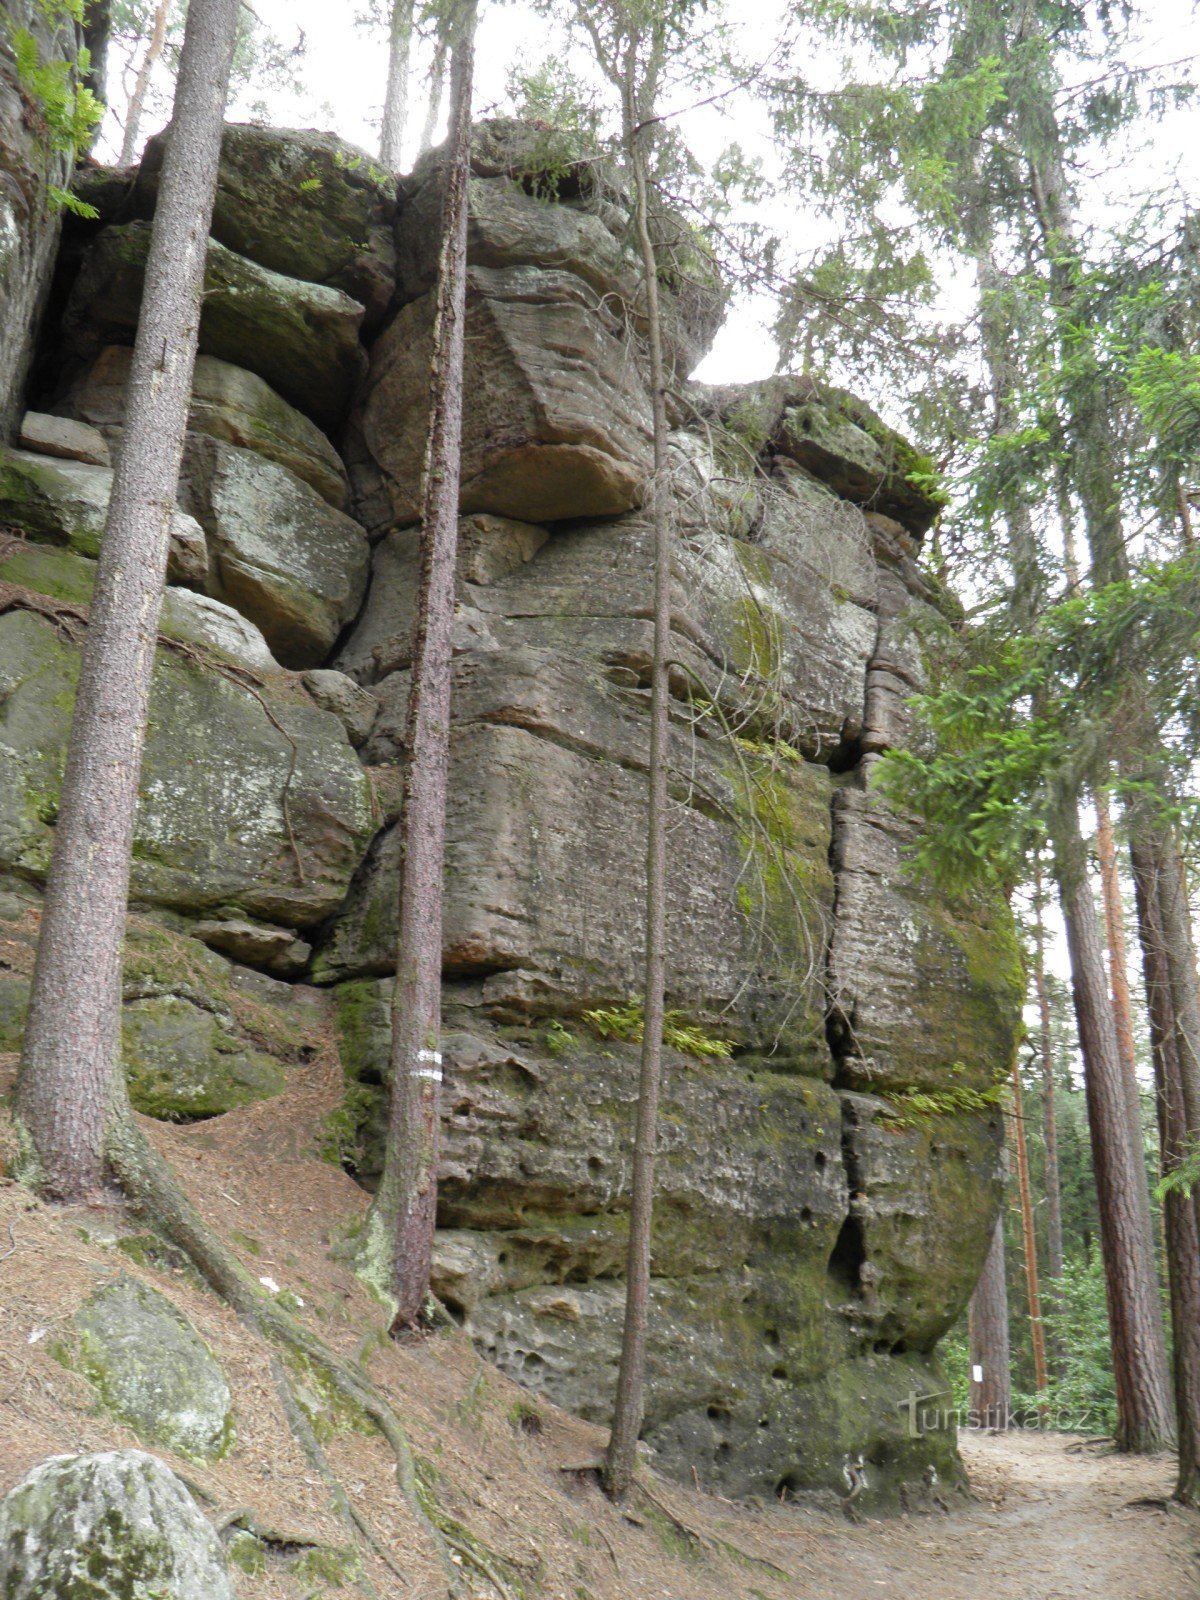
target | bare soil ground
[{"x": 1053, "y": 1519}]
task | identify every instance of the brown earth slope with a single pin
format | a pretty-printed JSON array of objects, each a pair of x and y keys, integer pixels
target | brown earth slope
[{"x": 1051, "y": 1519}]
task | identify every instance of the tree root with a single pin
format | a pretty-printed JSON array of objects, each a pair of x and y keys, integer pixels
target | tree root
[{"x": 148, "y": 1181}]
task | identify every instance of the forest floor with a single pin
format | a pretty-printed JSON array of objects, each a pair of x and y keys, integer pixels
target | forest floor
[{"x": 1052, "y": 1518}]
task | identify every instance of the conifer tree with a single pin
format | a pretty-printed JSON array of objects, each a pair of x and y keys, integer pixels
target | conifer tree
[
  {"x": 70, "y": 1086},
  {"x": 400, "y": 1226}
]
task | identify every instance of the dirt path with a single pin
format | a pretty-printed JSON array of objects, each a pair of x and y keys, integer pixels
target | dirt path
[{"x": 1053, "y": 1522}]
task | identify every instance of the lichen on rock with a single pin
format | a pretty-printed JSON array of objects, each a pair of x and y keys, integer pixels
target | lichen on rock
[{"x": 118, "y": 1525}]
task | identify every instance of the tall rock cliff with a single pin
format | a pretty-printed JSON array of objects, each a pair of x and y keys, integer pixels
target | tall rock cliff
[{"x": 815, "y": 1235}]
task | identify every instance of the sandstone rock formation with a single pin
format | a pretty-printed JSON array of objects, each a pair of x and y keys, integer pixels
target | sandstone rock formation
[{"x": 814, "y": 1238}]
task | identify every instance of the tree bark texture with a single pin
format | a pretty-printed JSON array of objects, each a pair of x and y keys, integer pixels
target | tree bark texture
[
  {"x": 1144, "y": 1411},
  {"x": 629, "y": 1403},
  {"x": 1118, "y": 959},
  {"x": 66, "y": 1083},
  {"x": 1052, "y": 1180},
  {"x": 395, "y": 104},
  {"x": 1181, "y": 1225},
  {"x": 987, "y": 1334},
  {"x": 1028, "y": 1235},
  {"x": 404, "y": 1212}
]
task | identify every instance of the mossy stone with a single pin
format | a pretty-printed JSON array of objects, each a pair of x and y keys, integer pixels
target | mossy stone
[
  {"x": 118, "y": 1525},
  {"x": 152, "y": 1370}
]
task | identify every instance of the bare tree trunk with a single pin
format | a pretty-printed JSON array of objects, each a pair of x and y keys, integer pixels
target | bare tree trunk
[
  {"x": 66, "y": 1084},
  {"x": 395, "y": 104},
  {"x": 1118, "y": 959},
  {"x": 1052, "y": 1181},
  {"x": 1028, "y": 1234},
  {"x": 1144, "y": 1420},
  {"x": 628, "y": 1407},
  {"x": 403, "y": 1215},
  {"x": 137, "y": 100},
  {"x": 987, "y": 1334},
  {"x": 437, "y": 79},
  {"x": 1179, "y": 1212}
]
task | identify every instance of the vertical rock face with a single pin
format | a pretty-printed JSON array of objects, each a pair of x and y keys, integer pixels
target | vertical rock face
[
  {"x": 31, "y": 39},
  {"x": 814, "y": 1236}
]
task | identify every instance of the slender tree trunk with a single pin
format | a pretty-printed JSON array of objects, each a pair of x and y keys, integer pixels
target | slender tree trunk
[
  {"x": 395, "y": 104},
  {"x": 1181, "y": 1225},
  {"x": 66, "y": 1085},
  {"x": 1053, "y": 1183},
  {"x": 629, "y": 1404},
  {"x": 403, "y": 1215},
  {"x": 1118, "y": 959},
  {"x": 987, "y": 1334},
  {"x": 1144, "y": 1420},
  {"x": 1028, "y": 1234},
  {"x": 137, "y": 100},
  {"x": 433, "y": 106}
]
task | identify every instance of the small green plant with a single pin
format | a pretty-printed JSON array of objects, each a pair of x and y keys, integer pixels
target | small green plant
[
  {"x": 628, "y": 1023},
  {"x": 310, "y": 185},
  {"x": 910, "y": 1107},
  {"x": 558, "y": 1038},
  {"x": 55, "y": 93}
]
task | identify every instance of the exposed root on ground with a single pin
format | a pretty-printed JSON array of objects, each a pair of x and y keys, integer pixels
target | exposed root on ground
[{"x": 149, "y": 1182}]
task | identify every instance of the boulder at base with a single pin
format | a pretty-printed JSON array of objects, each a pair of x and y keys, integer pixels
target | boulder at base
[
  {"x": 114, "y": 1526},
  {"x": 153, "y": 1370}
]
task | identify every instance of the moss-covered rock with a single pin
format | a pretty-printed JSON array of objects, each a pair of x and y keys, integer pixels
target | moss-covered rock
[
  {"x": 284, "y": 557},
  {"x": 152, "y": 1370},
  {"x": 301, "y": 202},
  {"x": 212, "y": 830},
  {"x": 66, "y": 502},
  {"x": 182, "y": 1062},
  {"x": 114, "y": 1526},
  {"x": 302, "y": 338}
]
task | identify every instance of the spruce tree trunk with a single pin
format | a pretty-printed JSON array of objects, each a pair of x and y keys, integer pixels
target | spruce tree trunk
[
  {"x": 629, "y": 1405},
  {"x": 395, "y": 104},
  {"x": 1144, "y": 1411},
  {"x": 137, "y": 100},
  {"x": 1052, "y": 1181},
  {"x": 1179, "y": 1211},
  {"x": 1118, "y": 959},
  {"x": 1028, "y": 1234},
  {"x": 70, "y": 1060},
  {"x": 403, "y": 1215},
  {"x": 987, "y": 1334}
]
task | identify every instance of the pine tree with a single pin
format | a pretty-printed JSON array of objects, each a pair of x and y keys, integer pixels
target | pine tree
[
  {"x": 70, "y": 1085},
  {"x": 988, "y": 1338},
  {"x": 403, "y": 1215}
]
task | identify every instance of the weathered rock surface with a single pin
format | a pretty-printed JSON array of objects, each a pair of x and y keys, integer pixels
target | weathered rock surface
[
  {"x": 228, "y": 403},
  {"x": 201, "y": 1034},
  {"x": 114, "y": 1526},
  {"x": 815, "y": 1234},
  {"x": 66, "y": 502},
  {"x": 301, "y": 202},
  {"x": 284, "y": 557},
  {"x": 302, "y": 338},
  {"x": 63, "y": 436},
  {"x": 230, "y": 778},
  {"x": 153, "y": 1371},
  {"x": 29, "y": 224},
  {"x": 537, "y": 444}
]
